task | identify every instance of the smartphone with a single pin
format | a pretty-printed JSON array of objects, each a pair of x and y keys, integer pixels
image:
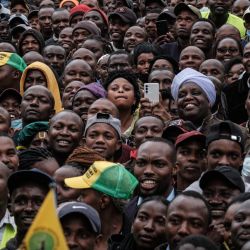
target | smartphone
[
  {"x": 152, "y": 91},
  {"x": 162, "y": 27}
]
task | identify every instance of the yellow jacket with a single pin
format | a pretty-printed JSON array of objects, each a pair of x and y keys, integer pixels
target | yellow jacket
[{"x": 52, "y": 84}]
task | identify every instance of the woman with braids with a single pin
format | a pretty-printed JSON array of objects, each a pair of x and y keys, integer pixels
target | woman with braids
[
  {"x": 39, "y": 158},
  {"x": 76, "y": 164}
]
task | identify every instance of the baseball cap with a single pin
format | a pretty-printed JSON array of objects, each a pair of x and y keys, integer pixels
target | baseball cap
[
  {"x": 229, "y": 174},
  {"x": 182, "y": 6},
  {"x": 107, "y": 177},
  {"x": 13, "y": 60},
  {"x": 167, "y": 13},
  {"x": 11, "y": 92},
  {"x": 81, "y": 208},
  {"x": 18, "y": 17},
  {"x": 104, "y": 118},
  {"x": 19, "y": 27},
  {"x": 225, "y": 130},
  {"x": 21, "y": 177},
  {"x": 195, "y": 135},
  {"x": 127, "y": 15},
  {"x": 246, "y": 13}
]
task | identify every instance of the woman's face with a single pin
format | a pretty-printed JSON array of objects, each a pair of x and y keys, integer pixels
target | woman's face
[
  {"x": 227, "y": 49},
  {"x": 121, "y": 93},
  {"x": 234, "y": 73},
  {"x": 34, "y": 77}
]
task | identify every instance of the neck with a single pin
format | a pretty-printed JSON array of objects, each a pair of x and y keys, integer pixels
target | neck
[
  {"x": 126, "y": 118},
  {"x": 118, "y": 44},
  {"x": 60, "y": 157},
  {"x": 183, "y": 42},
  {"x": 218, "y": 20},
  {"x": 182, "y": 184},
  {"x": 200, "y": 121},
  {"x": 20, "y": 236}
]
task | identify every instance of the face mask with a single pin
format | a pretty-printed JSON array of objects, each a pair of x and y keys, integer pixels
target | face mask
[{"x": 248, "y": 32}]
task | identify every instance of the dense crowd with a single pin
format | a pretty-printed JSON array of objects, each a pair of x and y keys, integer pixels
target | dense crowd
[{"x": 136, "y": 113}]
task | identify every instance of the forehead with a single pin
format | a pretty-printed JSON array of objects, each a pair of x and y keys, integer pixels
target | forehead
[
  {"x": 55, "y": 49},
  {"x": 7, "y": 140},
  {"x": 34, "y": 71},
  {"x": 192, "y": 142},
  {"x": 244, "y": 208},
  {"x": 218, "y": 182},
  {"x": 212, "y": 64},
  {"x": 78, "y": 65},
  {"x": 103, "y": 103},
  {"x": 163, "y": 74},
  {"x": 190, "y": 86},
  {"x": 37, "y": 91},
  {"x": 191, "y": 50},
  {"x": 136, "y": 29},
  {"x": 151, "y": 16},
  {"x": 28, "y": 37},
  {"x": 84, "y": 52},
  {"x": 32, "y": 187},
  {"x": 66, "y": 31},
  {"x": 148, "y": 121},
  {"x": 159, "y": 148},
  {"x": 84, "y": 94},
  {"x": 93, "y": 13},
  {"x": 60, "y": 14},
  {"x": 155, "y": 206},
  {"x": 247, "y": 48},
  {"x": 224, "y": 145},
  {"x": 202, "y": 25},
  {"x": 101, "y": 128},
  {"x": 66, "y": 117},
  {"x": 227, "y": 41}
]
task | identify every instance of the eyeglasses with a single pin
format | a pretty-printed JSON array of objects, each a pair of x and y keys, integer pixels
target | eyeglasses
[{"x": 230, "y": 50}]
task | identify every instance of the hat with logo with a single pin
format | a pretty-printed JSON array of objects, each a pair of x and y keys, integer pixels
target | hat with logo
[
  {"x": 226, "y": 130},
  {"x": 107, "y": 177},
  {"x": 127, "y": 15},
  {"x": 182, "y": 6},
  {"x": 229, "y": 174},
  {"x": 194, "y": 135},
  {"x": 104, "y": 118},
  {"x": 81, "y": 208},
  {"x": 12, "y": 59},
  {"x": 19, "y": 18}
]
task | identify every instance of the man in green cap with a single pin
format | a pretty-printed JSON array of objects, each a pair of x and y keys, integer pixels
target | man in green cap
[{"x": 11, "y": 68}]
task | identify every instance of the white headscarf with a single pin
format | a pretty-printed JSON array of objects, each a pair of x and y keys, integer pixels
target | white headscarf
[{"x": 189, "y": 75}]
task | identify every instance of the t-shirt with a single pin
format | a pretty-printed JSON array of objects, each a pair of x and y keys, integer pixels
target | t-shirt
[{"x": 236, "y": 21}]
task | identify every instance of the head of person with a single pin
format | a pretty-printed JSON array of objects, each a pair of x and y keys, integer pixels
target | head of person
[
  {"x": 11, "y": 68},
  {"x": 227, "y": 30},
  {"x": 239, "y": 7},
  {"x": 133, "y": 36},
  {"x": 33, "y": 56},
  {"x": 19, "y": 7},
  {"x": 60, "y": 20},
  {"x": 65, "y": 133},
  {"x": 5, "y": 121},
  {"x": 154, "y": 5},
  {"x": 83, "y": 30},
  {"x": 77, "y": 13},
  {"x": 86, "y": 55},
  {"x": 123, "y": 90},
  {"x": 84, "y": 97},
  {"x": 240, "y": 226},
  {"x": 103, "y": 105},
  {"x": 191, "y": 57},
  {"x": 186, "y": 15},
  {"x": 246, "y": 57},
  {"x": 219, "y": 186},
  {"x": 68, "y": 4},
  {"x": 45, "y": 20},
  {"x": 154, "y": 165},
  {"x": 37, "y": 105},
  {"x": 119, "y": 60},
  {"x": 246, "y": 18},
  {"x": 78, "y": 219},
  {"x": 143, "y": 54},
  {"x": 30, "y": 40},
  {"x": 27, "y": 189},
  {"x": 4, "y": 28},
  {"x": 150, "y": 24},
  {"x": 188, "y": 214},
  {"x": 103, "y": 185},
  {"x": 190, "y": 156},
  {"x": 195, "y": 95},
  {"x": 164, "y": 62},
  {"x": 233, "y": 70},
  {"x": 77, "y": 70},
  {"x": 149, "y": 225},
  {"x": 202, "y": 34},
  {"x": 102, "y": 67},
  {"x": 219, "y": 9},
  {"x": 213, "y": 67},
  {"x": 227, "y": 48},
  {"x": 119, "y": 22},
  {"x": 33, "y": 20},
  {"x": 66, "y": 40},
  {"x": 225, "y": 145},
  {"x": 7, "y": 47},
  {"x": 103, "y": 134},
  {"x": 10, "y": 99}
]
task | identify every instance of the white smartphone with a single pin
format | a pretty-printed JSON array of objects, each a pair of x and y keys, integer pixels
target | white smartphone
[{"x": 152, "y": 91}]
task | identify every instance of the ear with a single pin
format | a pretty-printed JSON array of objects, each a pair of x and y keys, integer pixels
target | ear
[
  {"x": 52, "y": 113},
  {"x": 11, "y": 132},
  {"x": 16, "y": 74},
  {"x": 83, "y": 140},
  {"x": 98, "y": 239},
  {"x": 118, "y": 145},
  {"x": 104, "y": 201}
]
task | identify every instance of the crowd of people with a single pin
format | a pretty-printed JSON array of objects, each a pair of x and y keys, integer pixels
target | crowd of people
[{"x": 164, "y": 171}]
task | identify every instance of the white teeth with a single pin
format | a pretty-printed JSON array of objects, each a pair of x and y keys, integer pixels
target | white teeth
[
  {"x": 63, "y": 142},
  {"x": 149, "y": 182},
  {"x": 190, "y": 105}
]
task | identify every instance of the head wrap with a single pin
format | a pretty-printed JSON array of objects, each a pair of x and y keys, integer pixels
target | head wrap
[{"x": 189, "y": 75}]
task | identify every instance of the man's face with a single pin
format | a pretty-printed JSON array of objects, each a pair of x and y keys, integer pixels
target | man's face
[
  {"x": 163, "y": 77},
  {"x": 29, "y": 43},
  {"x": 202, "y": 35},
  {"x": 191, "y": 57},
  {"x": 147, "y": 127},
  {"x": 19, "y": 9},
  {"x": 184, "y": 22},
  {"x": 66, "y": 39},
  {"x": 117, "y": 29},
  {"x": 246, "y": 58},
  {"x": 34, "y": 23},
  {"x": 4, "y": 30},
  {"x": 34, "y": 77},
  {"x": 85, "y": 55},
  {"x": 80, "y": 35},
  {"x": 224, "y": 152},
  {"x": 149, "y": 226},
  {"x": 239, "y": 7},
  {"x": 153, "y": 168},
  {"x": 45, "y": 21},
  {"x": 65, "y": 132},
  {"x": 192, "y": 102},
  {"x": 119, "y": 62},
  {"x": 25, "y": 203},
  {"x": 219, "y": 194},
  {"x": 240, "y": 228},
  {"x": 36, "y": 105},
  {"x": 8, "y": 153},
  {"x": 218, "y": 7},
  {"x": 60, "y": 20},
  {"x": 54, "y": 56},
  {"x": 103, "y": 139},
  {"x": 78, "y": 232},
  {"x": 91, "y": 197},
  {"x": 186, "y": 216},
  {"x": 150, "y": 24},
  {"x": 95, "y": 47},
  {"x": 96, "y": 18},
  {"x": 190, "y": 160},
  {"x": 7, "y": 77}
]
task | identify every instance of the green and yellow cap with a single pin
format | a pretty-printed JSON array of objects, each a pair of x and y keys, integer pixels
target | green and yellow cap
[
  {"x": 107, "y": 177},
  {"x": 12, "y": 59}
]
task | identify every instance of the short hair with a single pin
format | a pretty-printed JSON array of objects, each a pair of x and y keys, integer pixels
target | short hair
[
  {"x": 144, "y": 47},
  {"x": 230, "y": 63},
  {"x": 208, "y": 21},
  {"x": 120, "y": 52},
  {"x": 170, "y": 59},
  {"x": 131, "y": 78},
  {"x": 150, "y": 115}
]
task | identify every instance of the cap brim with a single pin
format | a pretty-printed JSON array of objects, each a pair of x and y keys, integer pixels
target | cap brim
[
  {"x": 76, "y": 182},
  {"x": 11, "y": 92},
  {"x": 183, "y": 6}
]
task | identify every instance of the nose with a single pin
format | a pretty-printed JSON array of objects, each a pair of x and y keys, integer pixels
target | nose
[
  {"x": 4, "y": 159},
  {"x": 183, "y": 229},
  {"x": 215, "y": 200},
  {"x": 71, "y": 240},
  {"x": 29, "y": 207},
  {"x": 34, "y": 102},
  {"x": 224, "y": 161},
  {"x": 246, "y": 223},
  {"x": 148, "y": 170},
  {"x": 64, "y": 131},
  {"x": 100, "y": 139},
  {"x": 149, "y": 134},
  {"x": 149, "y": 226}
]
